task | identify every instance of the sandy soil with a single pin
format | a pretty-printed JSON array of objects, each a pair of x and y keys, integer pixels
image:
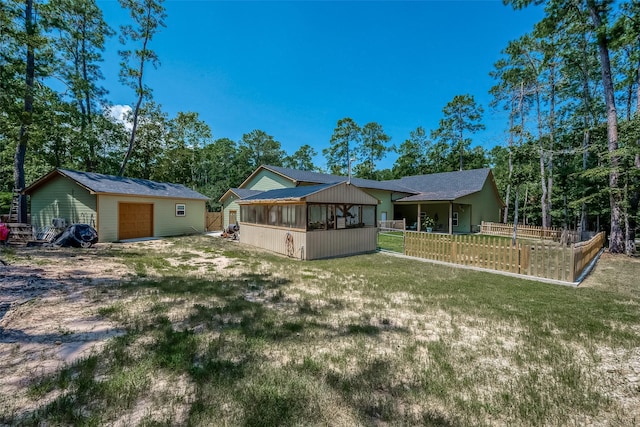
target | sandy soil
[
  {"x": 48, "y": 312},
  {"x": 49, "y": 303}
]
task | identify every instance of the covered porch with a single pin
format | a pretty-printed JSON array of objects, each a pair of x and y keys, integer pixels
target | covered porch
[{"x": 448, "y": 217}]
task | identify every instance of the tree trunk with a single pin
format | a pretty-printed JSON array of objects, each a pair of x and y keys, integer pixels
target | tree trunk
[
  {"x": 616, "y": 237},
  {"x": 27, "y": 117},
  {"x": 515, "y": 220}
]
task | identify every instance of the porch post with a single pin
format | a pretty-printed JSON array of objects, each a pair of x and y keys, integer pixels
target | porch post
[
  {"x": 419, "y": 225},
  {"x": 450, "y": 217}
]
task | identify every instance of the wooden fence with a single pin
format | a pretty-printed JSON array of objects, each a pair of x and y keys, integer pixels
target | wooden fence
[
  {"x": 539, "y": 259},
  {"x": 585, "y": 252},
  {"x": 392, "y": 225},
  {"x": 531, "y": 232},
  {"x": 213, "y": 221}
]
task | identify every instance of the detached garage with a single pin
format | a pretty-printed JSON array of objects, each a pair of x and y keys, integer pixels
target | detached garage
[{"x": 118, "y": 208}]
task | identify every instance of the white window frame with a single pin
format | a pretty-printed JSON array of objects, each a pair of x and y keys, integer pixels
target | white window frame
[{"x": 181, "y": 209}]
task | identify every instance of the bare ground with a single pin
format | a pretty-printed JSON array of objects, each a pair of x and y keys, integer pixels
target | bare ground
[{"x": 50, "y": 298}]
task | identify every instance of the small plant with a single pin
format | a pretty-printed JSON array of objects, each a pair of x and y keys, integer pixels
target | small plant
[{"x": 428, "y": 222}]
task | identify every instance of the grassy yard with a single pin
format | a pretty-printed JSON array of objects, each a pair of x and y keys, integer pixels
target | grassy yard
[
  {"x": 244, "y": 337},
  {"x": 391, "y": 241}
]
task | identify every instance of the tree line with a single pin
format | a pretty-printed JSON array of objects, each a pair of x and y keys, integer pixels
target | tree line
[{"x": 568, "y": 89}]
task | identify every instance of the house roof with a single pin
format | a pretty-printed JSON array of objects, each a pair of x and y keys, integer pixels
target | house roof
[
  {"x": 109, "y": 184},
  {"x": 444, "y": 186},
  {"x": 294, "y": 193},
  {"x": 241, "y": 193},
  {"x": 298, "y": 176}
]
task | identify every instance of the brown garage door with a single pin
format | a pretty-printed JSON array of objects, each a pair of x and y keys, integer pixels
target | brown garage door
[{"x": 135, "y": 220}]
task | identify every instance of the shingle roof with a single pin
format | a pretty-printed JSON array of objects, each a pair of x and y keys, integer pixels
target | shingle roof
[
  {"x": 324, "y": 178},
  {"x": 290, "y": 193},
  {"x": 444, "y": 186},
  {"x": 110, "y": 184},
  {"x": 243, "y": 193}
]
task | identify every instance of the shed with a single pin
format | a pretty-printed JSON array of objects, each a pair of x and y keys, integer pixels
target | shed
[
  {"x": 118, "y": 208},
  {"x": 311, "y": 222}
]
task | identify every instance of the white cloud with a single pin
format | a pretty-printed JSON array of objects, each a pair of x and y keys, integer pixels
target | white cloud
[{"x": 119, "y": 113}]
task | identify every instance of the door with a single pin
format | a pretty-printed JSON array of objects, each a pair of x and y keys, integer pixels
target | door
[
  {"x": 233, "y": 215},
  {"x": 135, "y": 220}
]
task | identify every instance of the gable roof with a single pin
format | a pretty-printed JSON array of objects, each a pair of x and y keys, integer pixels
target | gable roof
[
  {"x": 241, "y": 193},
  {"x": 334, "y": 192},
  {"x": 97, "y": 183},
  {"x": 297, "y": 176},
  {"x": 446, "y": 185},
  {"x": 293, "y": 193}
]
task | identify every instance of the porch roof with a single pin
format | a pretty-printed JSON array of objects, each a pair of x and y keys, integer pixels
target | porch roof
[{"x": 446, "y": 186}]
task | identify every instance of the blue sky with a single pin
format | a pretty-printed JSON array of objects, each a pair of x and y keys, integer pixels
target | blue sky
[{"x": 294, "y": 68}]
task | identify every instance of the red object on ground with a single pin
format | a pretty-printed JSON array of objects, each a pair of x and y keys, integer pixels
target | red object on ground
[{"x": 4, "y": 232}]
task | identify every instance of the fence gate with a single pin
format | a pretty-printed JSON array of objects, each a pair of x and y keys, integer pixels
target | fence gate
[{"x": 213, "y": 221}]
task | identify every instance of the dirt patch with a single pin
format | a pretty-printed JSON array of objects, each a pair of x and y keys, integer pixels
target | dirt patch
[{"x": 49, "y": 309}]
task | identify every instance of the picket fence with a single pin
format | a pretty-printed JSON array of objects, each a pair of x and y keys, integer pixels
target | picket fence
[
  {"x": 545, "y": 259},
  {"x": 531, "y": 232}
]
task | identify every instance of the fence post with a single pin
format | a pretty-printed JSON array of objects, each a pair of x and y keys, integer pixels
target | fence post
[{"x": 572, "y": 263}]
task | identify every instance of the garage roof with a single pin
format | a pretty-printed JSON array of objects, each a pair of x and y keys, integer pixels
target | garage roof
[{"x": 98, "y": 183}]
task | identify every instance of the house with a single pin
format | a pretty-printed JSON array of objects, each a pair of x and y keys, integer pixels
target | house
[
  {"x": 311, "y": 221},
  {"x": 118, "y": 208},
  {"x": 458, "y": 201}
]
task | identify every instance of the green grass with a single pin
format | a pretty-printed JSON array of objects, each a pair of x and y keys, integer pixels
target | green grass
[
  {"x": 391, "y": 241},
  {"x": 362, "y": 340}
]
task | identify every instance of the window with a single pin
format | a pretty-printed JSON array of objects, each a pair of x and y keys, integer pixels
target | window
[
  {"x": 454, "y": 219},
  {"x": 324, "y": 216},
  {"x": 181, "y": 209}
]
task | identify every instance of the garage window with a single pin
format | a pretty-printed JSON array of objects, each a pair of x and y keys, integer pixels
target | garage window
[{"x": 181, "y": 209}]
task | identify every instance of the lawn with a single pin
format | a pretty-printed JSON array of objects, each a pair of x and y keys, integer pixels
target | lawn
[{"x": 216, "y": 333}]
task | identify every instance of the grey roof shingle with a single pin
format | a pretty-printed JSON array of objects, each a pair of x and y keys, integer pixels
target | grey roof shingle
[
  {"x": 435, "y": 187},
  {"x": 445, "y": 185},
  {"x": 290, "y": 193},
  {"x": 324, "y": 178},
  {"x": 99, "y": 183},
  {"x": 243, "y": 193}
]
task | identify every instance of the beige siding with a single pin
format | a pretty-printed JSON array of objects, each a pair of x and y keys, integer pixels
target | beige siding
[
  {"x": 334, "y": 243},
  {"x": 311, "y": 245},
  {"x": 273, "y": 239},
  {"x": 342, "y": 193},
  {"x": 165, "y": 221},
  {"x": 62, "y": 198}
]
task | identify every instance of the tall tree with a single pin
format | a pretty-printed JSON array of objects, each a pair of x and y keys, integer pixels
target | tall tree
[
  {"x": 372, "y": 148},
  {"x": 461, "y": 116},
  {"x": 411, "y": 159},
  {"x": 600, "y": 18},
  {"x": 259, "y": 148},
  {"x": 31, "y": 43},
  {"x": 82, "y": 32},
  {"x": 344, "y": 140},
  {"x": 148, "y": 17},
  {"x": 302, "y": 159}
]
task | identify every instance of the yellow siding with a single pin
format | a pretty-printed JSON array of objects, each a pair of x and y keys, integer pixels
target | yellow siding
[
  {"x": 385, "y": 204},
  {"x": 62, "y": 198},
  {"x": 165, "y": 221},
  {"x": 230, "y": 204},
  {"x": 486, "y": 205},
  {"x": 267, "y": 180}
]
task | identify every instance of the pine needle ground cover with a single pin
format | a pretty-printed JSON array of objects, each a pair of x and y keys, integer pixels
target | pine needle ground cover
[{"x": 203, "y": 331}]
